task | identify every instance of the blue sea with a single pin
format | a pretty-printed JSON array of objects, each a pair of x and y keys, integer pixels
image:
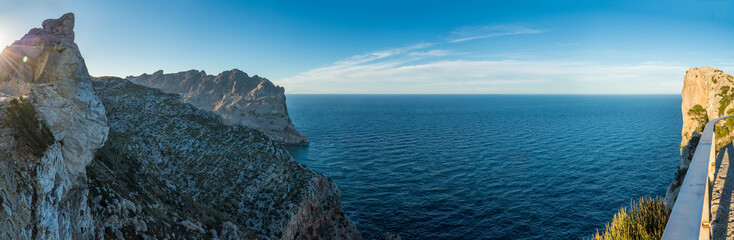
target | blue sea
[{"x": 489, "y": 166}]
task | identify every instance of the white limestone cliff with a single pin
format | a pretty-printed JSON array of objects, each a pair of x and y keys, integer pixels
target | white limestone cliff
[
  {"x": 109, "y": 159},
  {"x": 703, "y": 86},
  {"x": 170, "y": 170},
  {"x": 250, "y": 101},
  {"x": 712, "y": 92},
  {"x": 46, "y": 197}
]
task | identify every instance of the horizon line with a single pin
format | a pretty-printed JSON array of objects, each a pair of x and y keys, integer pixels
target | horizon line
[{"x": 595, "y": 94}]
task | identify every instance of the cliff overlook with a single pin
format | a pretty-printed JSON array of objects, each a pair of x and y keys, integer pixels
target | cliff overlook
[
  {"x": 707, "y": 94},
  {"x": 238, "y": 98}
]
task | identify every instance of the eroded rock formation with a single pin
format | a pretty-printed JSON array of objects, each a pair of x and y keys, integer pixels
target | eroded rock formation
[
  {"x": 170, "y": 170},
  {"x": 250, "y": 101},
  {"x": 710, "y": 88},
  {"x": 707, "y": 94},
  {"x": 167, "y": 171},
  {"x": 45, "y": 197}
]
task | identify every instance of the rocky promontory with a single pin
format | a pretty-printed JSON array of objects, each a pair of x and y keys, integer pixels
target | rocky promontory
[
  {"x": 170, "y": 170},
  {"x": 707, "y": 94},
  {"x": 238, "y": 98},
  {"x": 48, "y": 137},
  {"x": 110, "y": 159},
  {"x": 705, "y": 89}
]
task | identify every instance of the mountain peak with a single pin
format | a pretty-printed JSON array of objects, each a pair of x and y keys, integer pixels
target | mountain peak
[{"x": 63, "y": 26}]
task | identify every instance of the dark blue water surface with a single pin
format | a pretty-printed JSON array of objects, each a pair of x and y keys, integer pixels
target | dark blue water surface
[{"x": 489, "y": 166}]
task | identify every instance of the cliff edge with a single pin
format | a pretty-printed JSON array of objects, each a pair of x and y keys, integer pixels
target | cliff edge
[
  {"x": 238, "y": 98},
  {"x": 110, "y": 159},
  {"x": 170, "y": 170},
  {"x": 48, "y": 137},
  {"x": 709, "y": 88},
  {"x": 707, "y": 94}
]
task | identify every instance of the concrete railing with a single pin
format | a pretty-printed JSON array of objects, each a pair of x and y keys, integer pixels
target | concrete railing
[{"x": 691, "y": 215}]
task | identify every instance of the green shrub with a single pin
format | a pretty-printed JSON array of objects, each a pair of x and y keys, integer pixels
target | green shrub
[
  {"x": 32, "y": 135},
  {"x": 698, "y": 113},
  {"x": 643, "y": 220},
  {"x": 729, "y": 122},
  {"x": 726, "y": 98},
  {"x": 721, "y": 131}
]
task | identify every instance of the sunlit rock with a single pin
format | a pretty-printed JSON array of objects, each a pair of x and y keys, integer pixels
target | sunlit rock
[
  {"x": 250, "y": 101},
  {"x": 47, "y": 195}
]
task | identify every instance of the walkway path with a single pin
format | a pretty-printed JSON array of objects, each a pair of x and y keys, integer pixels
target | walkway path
[{"x": 722, "y": 195}]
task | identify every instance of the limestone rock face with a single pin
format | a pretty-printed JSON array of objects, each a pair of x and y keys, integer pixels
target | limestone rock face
[
  {"x": 713, "y": 90},
  {"x": 172, "y": 171},
  {"x": 45, "y": 197},
  {"x": 703, "y": 86},
  {"x": 238, "y": 98}
]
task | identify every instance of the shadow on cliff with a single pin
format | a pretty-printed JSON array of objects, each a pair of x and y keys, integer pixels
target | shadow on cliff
[{"x": 725, "y": 172}]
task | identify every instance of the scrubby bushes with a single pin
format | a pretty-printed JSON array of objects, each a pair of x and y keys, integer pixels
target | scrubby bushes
[
  {"x": 723, "y": 130},
  {"x": 32, "y": 135},
  {"x": 643, "y": 220},
  {"x": 726, "y": 98},
  {"x": 698, "y": 113}
]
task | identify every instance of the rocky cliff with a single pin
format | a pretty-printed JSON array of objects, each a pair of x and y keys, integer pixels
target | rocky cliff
[
  {"x": 49, "y": 138},
  {"x": 707, "y": 94},
  {"x": 709, "y": 88},
  {"x": 170, "y": 170},
  {"x": 109, "y": 159},
  {"x": 250, "y": 101}
]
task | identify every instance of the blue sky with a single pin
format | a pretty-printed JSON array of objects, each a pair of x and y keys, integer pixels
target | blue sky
[{"x": 590, "y": 47}]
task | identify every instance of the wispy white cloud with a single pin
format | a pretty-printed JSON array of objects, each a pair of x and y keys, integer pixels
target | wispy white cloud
[
  {"x": 468, "y": 33},
  {"x": 435, "y": 68},
  {"x": 431, "y": 53},
  {"x": 504, "y": 76},
  {"x": 382, "y": 54}
]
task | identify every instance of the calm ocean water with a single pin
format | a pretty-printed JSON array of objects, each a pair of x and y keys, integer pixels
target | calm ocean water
[{"x": 489, "y": 166}]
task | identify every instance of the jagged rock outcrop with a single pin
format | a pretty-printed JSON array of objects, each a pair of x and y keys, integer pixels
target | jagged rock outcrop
[
  {"x": 43, "y": 195},
  {"x": 170, "y": 170},
  {"x": 707, "y": 94},
  {"x": 167, "y": 171},
  {"x": 238, "y": 98},
  {"x": 710, "y": 88}
]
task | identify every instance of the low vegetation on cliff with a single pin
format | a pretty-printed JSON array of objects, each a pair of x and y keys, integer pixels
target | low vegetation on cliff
[
  {"x": 723, "y": 130},
  {"x": 237, "y": 97},
  {"x": 726, "y": 98},
  {"x": 170, "y": 171},
  {"x": 643, "y": 220},
  {"x": 698, "y": 114},
  {"x": 32, "y": 135}
]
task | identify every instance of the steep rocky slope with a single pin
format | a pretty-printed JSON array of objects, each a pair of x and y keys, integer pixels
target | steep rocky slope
[
  {"x": 709, "y": 88},
  {"x": 707, "y": 94},
  {"x": 167, "y": 171},
  {"x": 47, "y": 141},
  {"x": 240, "y": 99},
  {"x": 170, "y": 170}
]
